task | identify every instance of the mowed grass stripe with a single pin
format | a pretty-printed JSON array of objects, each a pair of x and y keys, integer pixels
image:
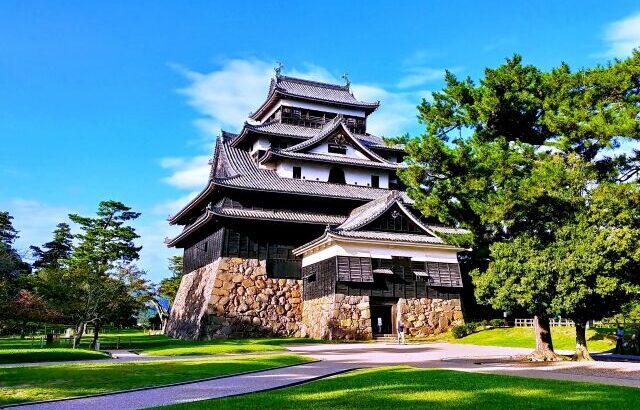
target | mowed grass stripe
[
  {"x": 48, "y": 355},
  {"x": 411, "y": 388},
  {"x": 69, "y": 380}
]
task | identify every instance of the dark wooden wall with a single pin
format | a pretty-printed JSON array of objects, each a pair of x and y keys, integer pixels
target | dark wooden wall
[
  {"x": 203, "y": 251},
  {"x": 319, "y": 279},
  {"x": 403, "y": 283},
  {"x": 250, "y": 239}
]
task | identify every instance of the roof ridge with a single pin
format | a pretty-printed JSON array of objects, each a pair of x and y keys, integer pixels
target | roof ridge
[{"x": 312, "y": 82}]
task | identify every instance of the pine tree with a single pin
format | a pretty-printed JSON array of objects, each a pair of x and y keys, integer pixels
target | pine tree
[{"x": 54, "y": 254}]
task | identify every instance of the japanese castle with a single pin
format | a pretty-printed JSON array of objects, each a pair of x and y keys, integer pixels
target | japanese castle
[{"x": 303, "y": 230}]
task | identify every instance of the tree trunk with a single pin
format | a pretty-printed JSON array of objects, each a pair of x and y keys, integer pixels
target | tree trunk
[
  {"x": 162, "y": 313},
  {"x": 80, "y": 327},
  {"x": 96, "y": 331},
  {"x": 23, "y": 330},
  {"x": 582, "y": 353},
  {"x": 544, "y": 344}
]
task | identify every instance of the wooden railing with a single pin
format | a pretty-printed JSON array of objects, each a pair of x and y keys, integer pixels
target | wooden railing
[{"x": 591, "y": 323}]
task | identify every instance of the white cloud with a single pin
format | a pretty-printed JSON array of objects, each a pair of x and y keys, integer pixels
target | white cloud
[
  {"x": 172, "y": 206},
  {"x": 623, "y": 36},
  {"x": 226, "y": 96},
  {"x": 397, "y": 110},
  {"x": 187, "y": 173},
  {"x": 420, "y": 75},
  {"x": 34, "y": 220}
]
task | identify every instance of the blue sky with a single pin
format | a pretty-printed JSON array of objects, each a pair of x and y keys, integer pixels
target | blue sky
[{"x": 122, "y": 100}]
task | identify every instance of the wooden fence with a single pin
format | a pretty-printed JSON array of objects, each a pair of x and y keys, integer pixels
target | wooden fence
[{"x": 592, "y": 323}]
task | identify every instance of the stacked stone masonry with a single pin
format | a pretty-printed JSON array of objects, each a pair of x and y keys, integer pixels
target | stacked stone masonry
[
  {"x": 233, "y": 297},
  {"x": 337, "y": 317},
  {"x": 424, "y": 316}
]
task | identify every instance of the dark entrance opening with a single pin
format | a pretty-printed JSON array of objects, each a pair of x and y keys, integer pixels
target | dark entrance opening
[
  {"x": 336, "y": 175},
  {"x": 381, "y": 319}
]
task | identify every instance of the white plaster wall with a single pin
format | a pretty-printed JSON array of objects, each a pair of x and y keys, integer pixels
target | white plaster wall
[
  {"x": 382, "y": 251},
  {"x": 320, "y": 172},
  {"x": 351, "y": 152},
  {"x": 315, "y": 106},
  {"x": 260, "y": 144}
]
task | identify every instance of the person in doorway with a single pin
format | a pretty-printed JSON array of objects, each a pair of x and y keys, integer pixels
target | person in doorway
[
  {"x": 620, "y": 340},
  {"x": 400, "y": 332}
]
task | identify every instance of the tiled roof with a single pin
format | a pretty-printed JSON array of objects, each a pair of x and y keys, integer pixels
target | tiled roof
[
  {"x": 308, "y": 156},
  {"x": 387, "y": 236},
  {"x": 330, "y": 127},
  {"x": 448, "y": 230},
  {"x": 298, "y": 131},
  {"x": 318, "y": 91},
  {"x": 280, "y": 215},
  {"x": 374, "y": 141},
  {"x": 249, "y": 176},
  {"x": 283, "y": 86},
  {"x": 368, "y": 212},
  {"x": 278, "y": 128}
]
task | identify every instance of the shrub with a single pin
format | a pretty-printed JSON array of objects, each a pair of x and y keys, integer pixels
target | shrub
[
  {"x": 496, "y": 322},
  {"x": 461, "y": 331},
  {"x": 458, "y": 332}
]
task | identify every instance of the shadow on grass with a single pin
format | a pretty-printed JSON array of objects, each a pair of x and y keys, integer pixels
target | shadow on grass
[
  {"x": 411, "y": 388},
  {"x": 39, "y": 383}
]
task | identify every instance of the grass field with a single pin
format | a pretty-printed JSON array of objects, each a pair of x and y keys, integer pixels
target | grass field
[
  {"x": 26, "y": 355},
  {"x": 410, "y": 388},
  {"x": 14, "y": 350},
  {"x": 19, "y": 384},
  {"x": 599, "y": 340}
]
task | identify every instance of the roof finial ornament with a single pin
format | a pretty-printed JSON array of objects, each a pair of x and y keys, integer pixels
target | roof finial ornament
[
  {"x": 278, "y": 69},
  {"x": 345, "y": 77}
]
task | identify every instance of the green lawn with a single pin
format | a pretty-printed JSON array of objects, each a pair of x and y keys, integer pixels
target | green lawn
[
  {"x": 599, "y": 340},
  {"x": 409, "y": 388},
  {"x": 157, "y": 345},
  {"x": 26, "y": 355},
  {"x": 65, "y": 380}
]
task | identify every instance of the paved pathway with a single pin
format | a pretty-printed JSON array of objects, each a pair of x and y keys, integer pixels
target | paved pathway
[
  {"x": 466, "y": 357},
  {"x": 336, "y": 358},
  {"x": 221, "y": 387}
]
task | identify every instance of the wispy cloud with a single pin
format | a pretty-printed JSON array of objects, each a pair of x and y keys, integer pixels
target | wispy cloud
[
  {"x": 622, "y": 36},
  {"x": 225, "y": 96},
  {"x": 187, "y": 173},
  {"x": 418, "y": 76},
  {"x": 417, "y": 70}
]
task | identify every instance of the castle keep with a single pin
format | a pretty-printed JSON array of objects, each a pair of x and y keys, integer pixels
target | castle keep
[{"x": 303, "y": 230}]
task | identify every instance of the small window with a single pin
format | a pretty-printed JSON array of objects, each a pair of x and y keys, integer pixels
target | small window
[
  {"x": 337, "y": 149},
  {"x": 297, "y": 172},
  {"x": 375, "y": 181},
  {"x": 205, "y": 247},
  {"x": 336, "y": 175},
  {"x": 311, "y": 278}
]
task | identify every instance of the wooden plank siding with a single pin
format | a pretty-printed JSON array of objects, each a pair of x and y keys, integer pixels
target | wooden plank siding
[
  {"x": 329, "y": 276},
  {"x": 272, "y": 243}
]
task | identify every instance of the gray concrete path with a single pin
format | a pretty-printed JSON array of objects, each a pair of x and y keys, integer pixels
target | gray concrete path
[
  {"x": 221, "y": 387},
  {"x": 466, "y": 358}
]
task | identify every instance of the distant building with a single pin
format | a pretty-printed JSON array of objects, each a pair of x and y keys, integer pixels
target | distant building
[{"x": 303, "y": 230}]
